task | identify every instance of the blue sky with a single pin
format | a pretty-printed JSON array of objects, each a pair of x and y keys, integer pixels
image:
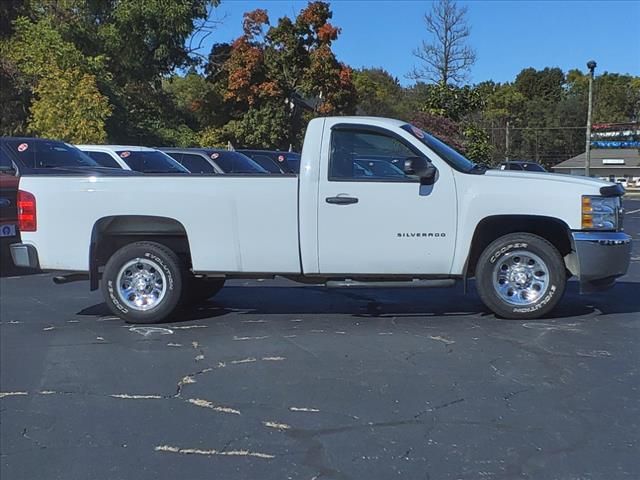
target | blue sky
[{"x": 507, "y": 35}]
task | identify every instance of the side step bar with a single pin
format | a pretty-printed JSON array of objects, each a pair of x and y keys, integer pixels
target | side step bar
[
  {"x": 416, "y": 283},
  {"x": 70, "y": 277}
]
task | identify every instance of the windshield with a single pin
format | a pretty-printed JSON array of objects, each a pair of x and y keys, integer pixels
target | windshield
[
  {"x": 234, "y": 162},
  {"x": 34, "y": 153},
  {"x": 444, "y": 151},
  {"x": 151, "y": 161}
]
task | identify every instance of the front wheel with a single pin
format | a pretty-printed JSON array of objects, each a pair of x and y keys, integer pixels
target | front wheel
[
  {"x": 520, "y": 276},
  {"x": 142, "y": 282}
]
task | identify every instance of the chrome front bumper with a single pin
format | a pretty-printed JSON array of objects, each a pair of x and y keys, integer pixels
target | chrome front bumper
[{"x": 599, "y": 258}]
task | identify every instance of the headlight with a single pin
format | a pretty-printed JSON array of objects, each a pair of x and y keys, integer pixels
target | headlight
[{"x": 600, "y": 213}]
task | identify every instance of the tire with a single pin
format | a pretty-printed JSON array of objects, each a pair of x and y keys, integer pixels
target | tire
[
  {"x": 198, "y": 289},
  {"x": 154, "y": 276},
  {"x": 521, "y": 276}
]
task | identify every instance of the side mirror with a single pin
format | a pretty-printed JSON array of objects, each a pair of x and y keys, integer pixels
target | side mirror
[{"x": 421, "y": 168}]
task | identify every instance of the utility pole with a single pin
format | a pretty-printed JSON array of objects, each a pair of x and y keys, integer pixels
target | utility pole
[
  {"x": 506, "y": 143},
  {"x": 591, "y": 65}
]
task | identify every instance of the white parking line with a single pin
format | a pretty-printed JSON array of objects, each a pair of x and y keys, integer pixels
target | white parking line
[{"x": 633, "y": 211}]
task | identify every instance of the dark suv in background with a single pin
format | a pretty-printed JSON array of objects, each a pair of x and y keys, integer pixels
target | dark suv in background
[
  {"x": 275, "y": 161},
  {"x": 8, "y": 209},
  {"x": 213, "y": 161},
  {"x": 43, "y": 156},
  {"x": 521, "y": 165}
]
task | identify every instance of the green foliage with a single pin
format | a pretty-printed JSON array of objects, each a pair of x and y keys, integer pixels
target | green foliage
[
  {"x": 477, "y": 145},
  {"x": 66, "y": 103},
  {"x": 544, "y": 84},
  {"x": 15, "y": 96},
  {"x": 191, "y": 95},
  {"x": 141, "y": 39},
  {"x": 380, "y": 94},
  {"x": 68, "y": 106},
  {"x": 451, "y": 101},
  {"x": 263, "y": 127},
  {"x": 37, "y": 48},
  {"x": 212, "y": 137}
]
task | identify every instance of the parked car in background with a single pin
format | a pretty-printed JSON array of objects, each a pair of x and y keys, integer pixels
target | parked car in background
[
  {"x": 8, "y": 205},
  {"x": 521, "y": 165},
  {"x": 379, "y": 168},
  {"x": 44, "y": 156},
  {"x": 275, "y": 161},
  {"x": 128, "y": 157},
  {"x": 293, "y": 160},
  {"x": 210, "y": 160},
  {"x": 622, "y": 181}
]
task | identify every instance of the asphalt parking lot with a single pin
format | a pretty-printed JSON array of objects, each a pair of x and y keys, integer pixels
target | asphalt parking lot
[{"x": 274, "y": 380}]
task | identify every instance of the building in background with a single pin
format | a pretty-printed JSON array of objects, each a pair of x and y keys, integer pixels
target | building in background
[{"x": 615, "y": 154}]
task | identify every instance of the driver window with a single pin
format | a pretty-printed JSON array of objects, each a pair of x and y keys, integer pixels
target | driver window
[{"x": 364, "y": 155}]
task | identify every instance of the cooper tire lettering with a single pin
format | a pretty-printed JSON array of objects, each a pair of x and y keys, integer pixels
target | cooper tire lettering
[
  {"x": 505, "y": 249},
  {"x": 495, "y": 298},
  {"x": 165, "y": 260}
]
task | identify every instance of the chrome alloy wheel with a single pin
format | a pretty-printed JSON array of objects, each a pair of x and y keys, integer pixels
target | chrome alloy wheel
[
  {"x": 520, "y": 277},
  {"x": 141, "y": 284}
]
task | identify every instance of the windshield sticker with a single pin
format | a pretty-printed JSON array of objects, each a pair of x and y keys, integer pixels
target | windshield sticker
[
  {"x": 125, "y": 154},
  {"x": 214, "y": 155},
  {"x": 22, "y": 147},
  {"x": 281, "y": 158},
  {"x": 417, "y": 132}
]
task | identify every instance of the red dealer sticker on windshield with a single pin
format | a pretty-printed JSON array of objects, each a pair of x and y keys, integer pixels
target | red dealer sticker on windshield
[
  {"x": 214, "y": 155},
  {"x": 125, "y": 154},
  {"x": 22, "y": 147},
  {"x": 417, "y": 132}
]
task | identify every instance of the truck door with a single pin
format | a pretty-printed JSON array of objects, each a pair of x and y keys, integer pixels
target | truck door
[{"x": 372, "y": 217}]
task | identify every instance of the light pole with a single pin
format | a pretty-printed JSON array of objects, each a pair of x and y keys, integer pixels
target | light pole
[{"x": 591, "y": 65}]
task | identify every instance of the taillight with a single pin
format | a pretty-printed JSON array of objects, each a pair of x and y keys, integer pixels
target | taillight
[{"x": 26, "y": 212}]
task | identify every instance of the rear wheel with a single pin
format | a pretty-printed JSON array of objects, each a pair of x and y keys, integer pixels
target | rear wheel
[
  {"x": 521, "y": 276},
  {"x": 143, "y": 282}
]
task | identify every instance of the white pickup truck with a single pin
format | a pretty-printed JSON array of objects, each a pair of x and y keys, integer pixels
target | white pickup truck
[{"x": 377, "y": 202}]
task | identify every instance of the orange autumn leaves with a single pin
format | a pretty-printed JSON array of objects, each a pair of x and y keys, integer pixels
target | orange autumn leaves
[{"x": 273, "y": 63}]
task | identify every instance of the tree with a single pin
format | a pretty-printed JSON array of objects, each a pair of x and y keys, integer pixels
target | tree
[
  {"x": 447, "y": 58},
  {"x": 190, "y": 94},
  {"x": 271, "y": 73},
  {"x": 68, "y": 106},
  {"x": 130, "y": 46},
  {"x": 545, "y": 85},
  {"x": 140, "y": 39},
  {"x": 380, "y": 94},
  {"x": 66, "y": 101},
  {"x": 451, "y": 101},
  {"x": 477, "y": 145}
]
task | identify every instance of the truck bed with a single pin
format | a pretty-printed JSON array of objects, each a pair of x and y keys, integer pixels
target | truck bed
[{"x": 234, "y": 224}]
